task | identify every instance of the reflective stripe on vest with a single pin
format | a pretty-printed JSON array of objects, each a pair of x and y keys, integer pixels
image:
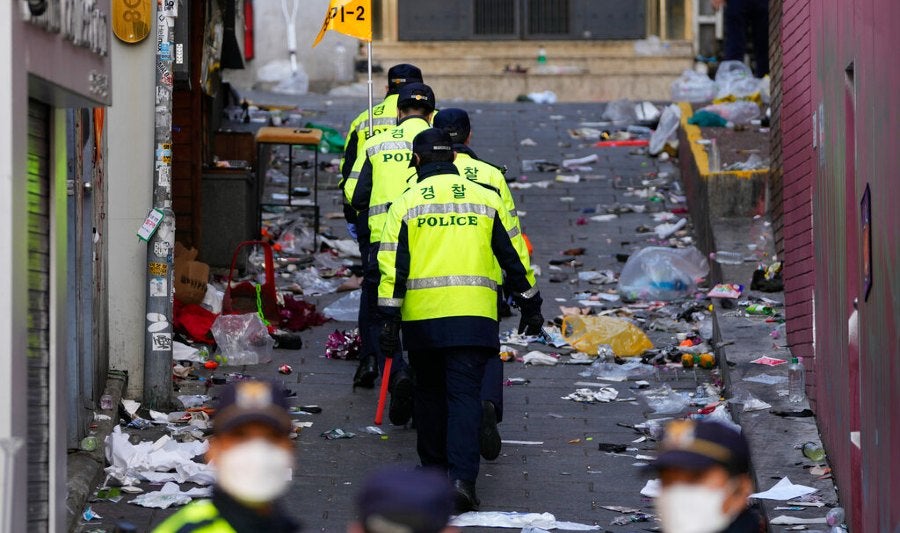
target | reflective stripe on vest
[
  {"x": 450, "y": 281},
  {"x": 389, "y": 145},
  {"x": 443, "y": 209},
  {"x": 382, "y": 121}
]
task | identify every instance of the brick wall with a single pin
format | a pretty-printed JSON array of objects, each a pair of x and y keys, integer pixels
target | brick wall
[{"x": 775, "y": 166}]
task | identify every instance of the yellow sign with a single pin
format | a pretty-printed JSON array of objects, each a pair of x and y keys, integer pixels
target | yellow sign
[
  {"x": 131, "y": 19},
  {"x": 350, "y": 17}
]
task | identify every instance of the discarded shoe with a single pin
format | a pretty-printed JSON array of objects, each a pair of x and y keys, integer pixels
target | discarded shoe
[
  {"x": 490, "y": 435},
  {"x": 401, "y": 407},
  {"x": 366, "y": 373},
  {"x": 466, "y": 500}
]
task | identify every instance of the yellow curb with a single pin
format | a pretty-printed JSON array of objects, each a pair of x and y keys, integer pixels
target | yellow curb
[{"x": 701, "y": 158}]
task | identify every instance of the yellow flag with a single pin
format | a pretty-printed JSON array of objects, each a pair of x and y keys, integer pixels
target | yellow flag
[{"x": 350, "y": 17}]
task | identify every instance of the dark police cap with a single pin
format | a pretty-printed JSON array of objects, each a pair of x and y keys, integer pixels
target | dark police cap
[
  {"x": 416, "y": 94},
  {"x": 400, "y": 75},
  {"x": 431, "y": 141},
  {"x": 698, "y": 445},
  {"x": 252, "y": 401},
  {"x": 414, "y": 501},
  {"x": 455, "y": 122}
]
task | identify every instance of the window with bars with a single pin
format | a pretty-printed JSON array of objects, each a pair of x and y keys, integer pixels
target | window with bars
[
  {"x": 495, "y": 17},
  {"x": 548, "y": 17}
]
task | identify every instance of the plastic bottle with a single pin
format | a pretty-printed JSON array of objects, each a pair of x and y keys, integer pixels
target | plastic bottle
[
  {"x": 796, "y": 381},
  {"x": 542, "y": 55},
  {"x": 813, "y": 451},
  {"x": 727, "y": 258},
  {"x": 835, "y": 517},
  {"x": 759, "y": 309},
  {"x": 106, "y": 402}
]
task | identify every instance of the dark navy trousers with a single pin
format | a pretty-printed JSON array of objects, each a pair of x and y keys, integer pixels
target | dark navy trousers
[{"x": 739, "y": 14}]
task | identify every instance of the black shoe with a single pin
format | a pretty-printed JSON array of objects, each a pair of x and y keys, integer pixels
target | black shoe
[
  {"x": 465, "y": 500},
  {"x": 490, "y": 435},
  {"x": 366, "y": 373},
  {"x": 400, "y": 410}
]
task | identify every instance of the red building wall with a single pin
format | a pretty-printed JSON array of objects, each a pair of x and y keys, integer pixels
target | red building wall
[{"x": 853, "y": 117}]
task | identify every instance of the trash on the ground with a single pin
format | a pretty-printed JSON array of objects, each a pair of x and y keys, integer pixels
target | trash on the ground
[
  {"x": 666, "y": 230},
  {"x": 656, "y": 273},
  {"x": 517, "y": 520},
  {"x": 193, "y": 276},
  {"x": 726, "y": 290},
  {"x": 523, "y": 442},
  {"x": 619, "y": 112},
  {"x": 243, "y": 339},
  {"x": 344, "y": 247},
  {"x": 738, "y": 113},
  {"x": 785, "y": 520},
  {"x": 346, "y": 308},
  {"x": 630, "y": 519},
  {"x": 285, "y": 369},
  {"x": 783, "y": 490},
  {"x": 193, "y": 400},
  {"x": 580, "y": 161},
  {"x": 527, "y": 141},
  {"x": 813, "y": 451},
  {"x": 693, "y": 87},
  {"x": 667, "y": 131},
  {"x": 665, "y": 401},
  {"x": 610, "y": 371},
  {"x": 767, "y": 379},
  {"x": 575, "y": 178},
  {"x": 89, "y": 514},
  {"x": 343, "y": 344},
  {"x": 707, "y": 119},
  {"x": 183, "y": 352},
  {"x": 170, "y": 494},
  {"x": 612, "y": 448},
  {"x": 652, "y": 488},
  {"x": 159, "y": 461},
  {"x": 516, "y": 381},
  {"x": 210, "y": 365},
  {"x": 750, "y": 402},
  {"x": 337, "y": 433},
  {"x": 374, "y": 430},
  {"x": 603, "y": 395},
  {"x": 768, "y": 361},
  {"x": 587, "y": 333},
  {"x": 819, "y": 471},
  {"x": 543, "y": 97},
  {"x": 537, "y": 358}
]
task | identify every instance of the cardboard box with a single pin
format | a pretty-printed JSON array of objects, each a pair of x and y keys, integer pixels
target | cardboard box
[{"x": 190, "y": 276}]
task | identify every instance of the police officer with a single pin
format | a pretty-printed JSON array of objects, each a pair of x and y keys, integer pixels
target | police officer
[
  {"x": 442, "y": 249},
  {"x": 384, "y": 116},
  {"x": 456, "y": 123},
  {"x": 252, "y": 453},
  {"x": 395, "y": 499},
  {"x": 381, "y": 176}
]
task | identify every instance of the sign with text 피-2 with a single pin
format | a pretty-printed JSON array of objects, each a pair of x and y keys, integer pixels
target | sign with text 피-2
[{"x": 350, "y": 17}]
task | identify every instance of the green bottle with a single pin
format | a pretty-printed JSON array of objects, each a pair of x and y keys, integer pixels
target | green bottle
[
  {"x": 759, "y": 309},
  {"x": 814, "y": 452}
]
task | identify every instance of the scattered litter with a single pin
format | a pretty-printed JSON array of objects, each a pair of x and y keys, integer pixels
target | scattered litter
[
  {"x": 652, "y": 489},
  {"x": 159, "y": 461},
  {"x": 768, "y": 361},
  {"x": 604, "y": 395},
  {"x": 562, "y": 178},
  {"x": 656, "y": 273},
  {"x": 726, "y": 290},
  {"x": 517, "y": 520},
  {"x": 523, "y": 442},
  {"x": 337, "y": 433},
  {"x": 243, "y": 339},
  {"x": 343, "y": 344},
  {"x": 374, "y": 430},
  {"x": 89, "y": 514},
  {"x": 785, "y": 520},
  {"x": 667, "y": 130},
  {"x": 630, "y": 519},
  {"x": 285, "y": 370},
  {"x": 620, "y": 509},
  {"x": 784, "y": 490},
  {"x": 665, "y": 401},
  {"x": 183, "y": 352},
  {"x": 693, "y": 87},
  {"x": 612, "y": 448},
  {"x": 537, "y": 358},
  {"x": 344, "y": 309},
  {"x": 170, "y": 495},
  {"x": 767, "y": 379},
  {"x": 193, "y": 400},
  {"x": 604, "y": 218},
  {"x": 527, "y": 142},
  {"x": 587, "y": 333},
  {"x": 666, "y": 230},
  {"x": 570, "y": 163}
]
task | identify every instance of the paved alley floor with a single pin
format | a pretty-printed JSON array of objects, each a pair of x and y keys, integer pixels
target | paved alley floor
[{"x": 562, "y": 471}]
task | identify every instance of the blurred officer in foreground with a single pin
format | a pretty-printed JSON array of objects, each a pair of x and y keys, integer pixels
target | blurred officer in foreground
[
  {"x": 704, "y": 468},
  {"x": 456, "y": 123},
  {"x": 442, "y": 249},
  {"x": 252, "y": 453},
  {"x": 382, "y": 175},
  {"x": 395, "y": 500}
]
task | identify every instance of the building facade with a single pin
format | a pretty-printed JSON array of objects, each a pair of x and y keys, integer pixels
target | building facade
[{"x": 840, "y": 124}]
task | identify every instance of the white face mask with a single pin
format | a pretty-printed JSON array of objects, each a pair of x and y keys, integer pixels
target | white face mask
[
  {"x": 255, "y": 471},
  {"x": 685, "y": 508}
]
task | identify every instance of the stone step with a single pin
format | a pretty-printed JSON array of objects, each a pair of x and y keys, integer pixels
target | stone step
[
  {"x": 524, "y": 50},
  {"x": 495, "y": 65}
]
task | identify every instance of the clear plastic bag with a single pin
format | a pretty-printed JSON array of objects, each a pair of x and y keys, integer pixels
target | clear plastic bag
[
  {"x": 243, "y": 339},
  {"x": 620, "y": 112},
  {"x": 732, "y": 70},
  {"x": 692, "y": 87},
  {"x": 586, "y": 333},
  {"x": 667, "y": 130},
  {"x": 345, "y": 309},
  {"x": 737, "y": 112},
  {"x": 657, "y": 273},
  {"x": 736, "y": 82},
  {"x": 665, "y": 401}
]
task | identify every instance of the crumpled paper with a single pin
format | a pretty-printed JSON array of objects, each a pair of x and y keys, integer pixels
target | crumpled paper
[
  {"x": 517, "y": 520},
  {"x": 170, "y": 494},
  {"x": 539, "y": 359},
  {"x": 603, "y": 394},
  {"x": 157, "y": 462}
]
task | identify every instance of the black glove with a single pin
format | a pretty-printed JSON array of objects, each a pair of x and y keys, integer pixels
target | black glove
[
  {"x": 389, "y": 338},
  {"x": 531, "y": 321}
]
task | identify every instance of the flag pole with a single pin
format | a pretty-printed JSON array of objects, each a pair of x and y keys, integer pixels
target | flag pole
[{"x": 371, "y": 96}]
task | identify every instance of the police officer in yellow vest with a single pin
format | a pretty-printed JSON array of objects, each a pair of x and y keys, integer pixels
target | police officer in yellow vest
[
  {"x": 377, "y": 180},
  {"x": 252, "y": 454},
  {"x": 456, "y": 123},
  {"x": 442, "y": 249}
]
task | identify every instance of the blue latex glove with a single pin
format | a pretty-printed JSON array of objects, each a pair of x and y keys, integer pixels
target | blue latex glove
[{"x": 351, "y": 229}]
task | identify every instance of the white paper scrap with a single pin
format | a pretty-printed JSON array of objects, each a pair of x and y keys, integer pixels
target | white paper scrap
[
  {"x": 517, "y": 521},
  {"x": 652, "y": 488},
  {"x": 784, "y": 490},
  {"x": 170, "y": 495},
  {"x": 785, "y": 520}
]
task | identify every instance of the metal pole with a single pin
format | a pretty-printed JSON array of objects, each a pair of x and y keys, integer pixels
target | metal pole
[
  {"x": 371, "y": 97},
  {"x": 160, "y": 248}
]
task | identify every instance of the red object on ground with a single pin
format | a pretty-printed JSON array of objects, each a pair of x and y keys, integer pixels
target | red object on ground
[
  {"x": 382, "y": 395},
  {"x": 620, "y": 144},
  {"x": 210, "y": 365},
  {"x": 194, "y": 321}
]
